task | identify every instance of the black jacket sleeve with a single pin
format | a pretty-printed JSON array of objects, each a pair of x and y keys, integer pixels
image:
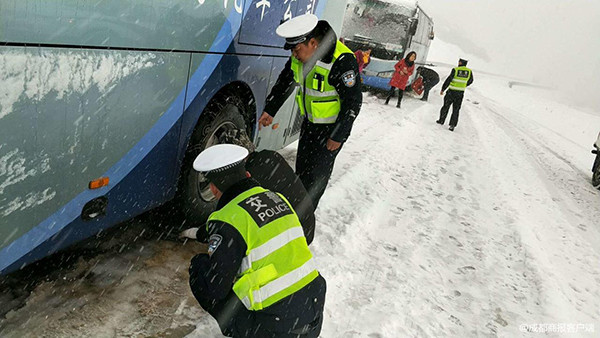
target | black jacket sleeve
[
  {"x": 430, "y": 75},
  {"x": 284, "y": 86},
  {"x": 272, "y": 171},
  {"x": 470, "y": 79},
  {"x": 344, "y": 77},
  {"x": 448, "y": 80},
  {"x": 212, "y": 276}
]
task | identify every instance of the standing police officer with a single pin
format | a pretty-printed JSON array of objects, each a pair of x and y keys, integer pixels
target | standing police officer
[
  {"x": 258, "y": 278},
  {"x": 328, "y": 96},
  {"x": 460, "y": 78}
]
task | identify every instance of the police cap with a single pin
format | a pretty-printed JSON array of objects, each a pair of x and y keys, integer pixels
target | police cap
[
  {"x": 222, "y": 164},
  {"x": 297, "y": 30}
]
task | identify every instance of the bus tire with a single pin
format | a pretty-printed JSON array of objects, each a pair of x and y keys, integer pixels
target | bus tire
[{"x": 195, "y": 200}]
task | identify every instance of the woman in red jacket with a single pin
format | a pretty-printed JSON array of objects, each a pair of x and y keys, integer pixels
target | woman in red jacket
[{"x": 404, "y": 69}]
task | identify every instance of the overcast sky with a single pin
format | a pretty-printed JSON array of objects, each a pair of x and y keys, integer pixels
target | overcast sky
[{"x": 551, "y": 41}]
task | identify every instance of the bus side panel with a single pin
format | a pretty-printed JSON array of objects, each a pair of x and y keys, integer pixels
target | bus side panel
[
  {"x": 160, "y": 24},
  {"x": 421, "y": 40},
  {"x": 70, "y": 116},
  {"x": 136, "y": 193},
  {"x": 153, "y": 178},
  {"x": 274, "y": 139},
  {"x": 163, "y": 90},
  {"x": 145, "y": 173}
]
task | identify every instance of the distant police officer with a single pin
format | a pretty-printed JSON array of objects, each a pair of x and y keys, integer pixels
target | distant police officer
[
  {"x": 460, "y": 78},
  {"x": 328, "y": 96},
  {"x": 258, "y": 277}
]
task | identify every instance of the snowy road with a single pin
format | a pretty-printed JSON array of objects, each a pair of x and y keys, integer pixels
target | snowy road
[
  {"x": 470, "y": 233},
  {"x": 422, "y": 232}
]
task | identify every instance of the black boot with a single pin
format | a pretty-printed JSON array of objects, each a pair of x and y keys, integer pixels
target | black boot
[
  {"x": 439, "y": 122},
  {"x": 451, "y": 128}
]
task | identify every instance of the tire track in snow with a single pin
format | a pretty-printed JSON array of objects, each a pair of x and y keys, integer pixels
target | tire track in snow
[
  {"x": 428, "y": 245},
  {"x": 567, "y": 281}
]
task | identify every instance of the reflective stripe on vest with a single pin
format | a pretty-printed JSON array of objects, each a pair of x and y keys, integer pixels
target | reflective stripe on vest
[
  {"x": 277, "y": 258},
  {"x": 460, "y": 79},
  {"x": 271, "y": 246},
  {"x": 316, "y": 93},
  {"x": 326, "y": 65},
  {"x": 316, "y": 97},
  {"x": 280, "y": 284}
]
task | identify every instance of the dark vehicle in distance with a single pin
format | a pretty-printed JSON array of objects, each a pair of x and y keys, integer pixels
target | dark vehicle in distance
[{"x": 596, "y": 166}]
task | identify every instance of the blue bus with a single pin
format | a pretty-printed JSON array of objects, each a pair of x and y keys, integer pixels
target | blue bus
[
  {"x": 105, "y": 104},
  {"x": 390, "y": 29}
]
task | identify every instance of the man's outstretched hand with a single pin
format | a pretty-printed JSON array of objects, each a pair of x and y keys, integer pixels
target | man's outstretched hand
[
  {"x": 265, "y": 120},
  {"x": 190, "y": 233}
]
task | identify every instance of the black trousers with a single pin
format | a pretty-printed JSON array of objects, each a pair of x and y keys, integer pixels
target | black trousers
[
  {"x": 452, "y": 98},
  {"x": 299, "y": 316},
  {"x": 391, "y": 94},
  {"x": 427, "y": 87},
  {"x": 314, "y": 163}
]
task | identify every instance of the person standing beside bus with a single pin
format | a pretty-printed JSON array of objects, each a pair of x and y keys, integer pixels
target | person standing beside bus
[
  {"x": 363, "y": 59},
  {"x": 404, "y": 69},
  {"x": 457, "y": 82},
  {"x": 329, "y": 97}
]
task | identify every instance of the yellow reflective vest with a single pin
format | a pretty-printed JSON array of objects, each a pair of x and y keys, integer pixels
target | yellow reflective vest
[
  {"x": 316, "y": 97},
  {"x": 460, "y": 79},
  {"x": 278, "y": 262}
]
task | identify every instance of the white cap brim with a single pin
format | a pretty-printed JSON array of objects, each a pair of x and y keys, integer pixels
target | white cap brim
[
  {"x": 298, "y": 26},
  {"x": 219, "y": 157}
]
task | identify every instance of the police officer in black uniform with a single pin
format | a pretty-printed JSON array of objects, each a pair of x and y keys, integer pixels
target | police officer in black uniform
[
  {"x": 273, "y": 172},
  {"x": 329, "y": 96},
  {"x": 257, "y": 278},
  {"x": 457, "y": 82}
]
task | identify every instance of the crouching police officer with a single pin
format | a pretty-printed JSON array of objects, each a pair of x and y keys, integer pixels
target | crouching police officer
[
  {"x": 329, "y": 96},
  {"x": 272, "y": 172},
  {"x": 258, "y": 277}
]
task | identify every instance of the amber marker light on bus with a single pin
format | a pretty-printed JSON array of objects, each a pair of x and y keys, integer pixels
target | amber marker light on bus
[{"x": 99, "y": 183}]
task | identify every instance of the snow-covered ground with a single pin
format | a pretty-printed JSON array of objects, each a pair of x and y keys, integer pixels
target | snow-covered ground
[
  {"x": 421, "y": 232},
  {"x": 424, "y": 232}
]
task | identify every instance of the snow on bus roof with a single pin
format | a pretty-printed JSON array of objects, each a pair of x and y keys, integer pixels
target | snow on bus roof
[
  {"x": 408, "y": 3},
  {"x": 405, "y": 3}
]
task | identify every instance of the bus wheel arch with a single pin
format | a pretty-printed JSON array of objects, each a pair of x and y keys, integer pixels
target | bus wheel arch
[
  {"x": 239, "y": 93},
  {"x": 234, "y": 106}
]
